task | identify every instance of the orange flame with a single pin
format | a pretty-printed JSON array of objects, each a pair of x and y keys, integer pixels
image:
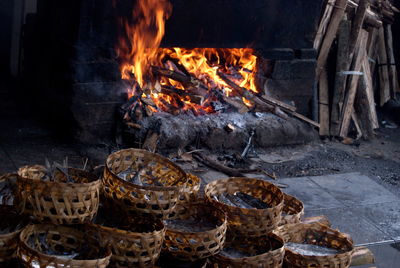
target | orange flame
[
  {"x": 145, "y": 37},
  {"x": 142, "y": 50}
]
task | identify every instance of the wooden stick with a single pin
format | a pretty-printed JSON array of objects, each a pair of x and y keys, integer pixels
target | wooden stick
[
  {"x": 383, "y": 68},
  {"x": 217, "y": 166},
  {"x": 342, "y": 64},
  {"x": 247, "y": 94},
  {"x": 363, "y": 109},
  {"x": 371, "y": 18},
  {"x": 337, "y": 15},
  {"x": 323, "y": 24},
  {"x": 357, "y": 25},
  {"x": 324, "y": 104},
  {"x": 369, "y": 91},
  {"x": 362, "y": 256},
  {"x": 348, "y": 106}
]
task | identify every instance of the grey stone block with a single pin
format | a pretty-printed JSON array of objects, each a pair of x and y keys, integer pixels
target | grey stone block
[
  {"x": 386, "y": 216},
  {"x": 294, "y": 69},
  {"x": 312, "y": 195},
  {"x": 353, "y": 189}
]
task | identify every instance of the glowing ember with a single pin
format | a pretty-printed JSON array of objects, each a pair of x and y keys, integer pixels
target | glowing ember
[{"x": 179, "y": 80}]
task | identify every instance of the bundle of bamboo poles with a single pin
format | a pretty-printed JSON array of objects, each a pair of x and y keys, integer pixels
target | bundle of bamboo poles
[{"x": 354, "y": 38}]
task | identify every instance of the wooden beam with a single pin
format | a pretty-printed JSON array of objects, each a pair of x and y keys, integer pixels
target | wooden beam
[
  {"x": 369, "y": 91},
  {"x": 337, "y": 15},
  {"x": 357, "y": 25},
  {"x": 348, "y": 107},
  {"x": 342, "y": 65},
  {"x": 323, "y": 24},
  {"x": 323, "y": 104}
]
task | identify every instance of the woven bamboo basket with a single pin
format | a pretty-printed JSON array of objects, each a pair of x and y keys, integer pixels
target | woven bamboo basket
[
  {"x": 158, "y": 201},
  {"x": 248, "y": 222},
  {"x": 62, "y": 241},
  {"x": 293, "y": 210},
  {"x": 8, "y": 189},
  {"x": 265, "y": 251},
  {"x": 317, "y": 234},
  {"x": 188, "y": 196},
  {"x": 59, "y": 201},
  {"x": 191, "y": 189},
  {"x": 135, "y": 242},
  {"x": 9, "y": 240},
  {"x": 192, "y": 246}
]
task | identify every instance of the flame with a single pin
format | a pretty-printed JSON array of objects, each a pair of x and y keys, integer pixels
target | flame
[
  {"x": 140, "y": 50},
  {"x": 144, "y": 38}
]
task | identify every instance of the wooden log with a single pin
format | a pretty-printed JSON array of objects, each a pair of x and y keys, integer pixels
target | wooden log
[
  {"x": 320, "y": 219},
  {"x": 369, "y": 90},
  {"x": 323, "y": 104},
  {"x": 384, "y": 84},
  {"x": 279, "y": 103},
  {"x": 342, "y": 64},
  {"x": 217, "y": 166},
  {"x": 357, "y": 124},
  {"x": 371, "y": 18},
  {"x": 183, "y": 93},
  {"x": 362, "y": 110},
  {"x": 362, "y": 256},
  {"x": 323, "y": 24},
  {"x": 337, "y": 15},
  {"x": 246, "y": 94},
  {"x": 348, "y": 106},
  {"x": 394, "y": 82},
  {"x": 357, "y": 25},
  {"x": 237, "y": 104}
]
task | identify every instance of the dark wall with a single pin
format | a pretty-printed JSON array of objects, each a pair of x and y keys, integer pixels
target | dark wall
[
  {"x": 6, "y": 14},
  {"x": 260, "y": 23}
]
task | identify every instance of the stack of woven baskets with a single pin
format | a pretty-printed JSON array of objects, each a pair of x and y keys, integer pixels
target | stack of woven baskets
[{"x": 144, "y": 207}]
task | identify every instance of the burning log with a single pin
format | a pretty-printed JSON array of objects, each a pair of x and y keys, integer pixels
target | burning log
[
  {"x": 266, "y": 103},
  {"x": 265, "y": 107},
  {"x": 198, "y": 99}
]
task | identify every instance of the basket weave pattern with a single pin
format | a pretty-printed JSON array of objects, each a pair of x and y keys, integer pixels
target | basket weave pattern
[
  {"x": 271, "y": 244},
  {"x": 248, "y": 222},
  {"x": 293, "y": 210},
  {"x": 59, "y": 237},
  {"x": 132, "y": 248},
  {"x": 317, "y": 234},
  {"x": 59, "y": 202},
  {"x": 192, "y": 246},
  {"x": 158, "y": 201}
]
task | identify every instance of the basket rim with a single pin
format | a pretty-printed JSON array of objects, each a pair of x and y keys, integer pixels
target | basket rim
[
  {"x": 209, "y": 185},
  {"x": 145, "y": 187},
  {"x": 131, "y": 234},
  {"x": 298, "y": 200},
  {"x": 41, "y": 254},
  {"x": 282, "y": 248},
  {"x": 64, "y": 184},
  {"x": 313, "y": 257},
  {"x": 211, "y": 231}
]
